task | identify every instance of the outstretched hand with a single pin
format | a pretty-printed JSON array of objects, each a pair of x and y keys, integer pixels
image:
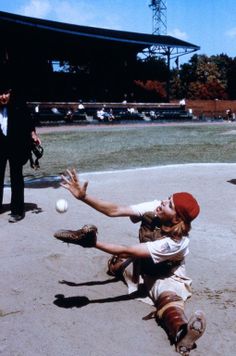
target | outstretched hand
[{"x": 71, "y": 182}]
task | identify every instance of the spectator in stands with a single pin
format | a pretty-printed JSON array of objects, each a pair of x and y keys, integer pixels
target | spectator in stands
[
  {"x": 104, "y": 114},
  {"x": 125, "y": 99},
  {"x": 55, "y": 111},
  {"x": 182, "y": 104},
  {"x": 229, "y": 115},
  {"x": 101, "y": 114},
  {"x": 36, "y": 113},
  {"x": 132, "y": 110},
  {"x": 81, "y": 110},
  {"x": 81, "y": 107},
  {"x": 69, "y": 115},
  {"x": 36, "y": 110},
  {"x": 110, "y": 116}
]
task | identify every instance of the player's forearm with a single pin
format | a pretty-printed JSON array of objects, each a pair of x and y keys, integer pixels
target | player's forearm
[
  {"x": 140, "y": 250},
  {"x": 79, "y": 191},
  {"x": 112, "y": 249},
  {"x": 105, "y": 207}
]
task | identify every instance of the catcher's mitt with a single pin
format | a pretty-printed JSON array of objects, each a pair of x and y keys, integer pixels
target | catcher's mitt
[
  {"x": 150, "y": 228},
  {"x": 37, "y": 151},
  {"x": 85, "y": 237}
]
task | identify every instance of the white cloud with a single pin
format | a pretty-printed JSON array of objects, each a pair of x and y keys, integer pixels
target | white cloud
[
  {"x": 84, "y": 13},
  {"x": 232, "y": 32},
  {"x": 78, "y": 14},
  {"x": 57, "y": 10},
  {"x": 74, "y": 12},
  {"x": 176, "y": 32},
  {"x": 36, "y": 8}
]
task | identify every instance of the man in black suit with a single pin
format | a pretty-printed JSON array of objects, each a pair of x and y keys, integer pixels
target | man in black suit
[{"x": 17, "y": 132}]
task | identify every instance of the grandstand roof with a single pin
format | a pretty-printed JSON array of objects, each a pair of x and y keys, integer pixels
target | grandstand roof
[{"x": 60, "y": 40}]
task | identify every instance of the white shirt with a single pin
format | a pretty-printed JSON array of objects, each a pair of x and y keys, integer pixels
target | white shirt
[
  {"x": 166, "y": 248},
  {"x": 3, "y": 120},
  {"x": 142, "y": 208}
]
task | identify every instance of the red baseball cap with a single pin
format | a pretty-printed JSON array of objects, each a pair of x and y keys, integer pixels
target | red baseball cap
[{"x": 186, "y": 206}]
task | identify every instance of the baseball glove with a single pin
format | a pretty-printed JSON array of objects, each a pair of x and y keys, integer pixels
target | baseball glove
[{"x": 85, "y": 237}]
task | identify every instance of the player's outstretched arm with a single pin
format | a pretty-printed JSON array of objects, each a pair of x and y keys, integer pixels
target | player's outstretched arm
[
  {"x": 139, "y": 251},
  {"x": 72, "y": 183},
  {"x": 87, "y": 237}
]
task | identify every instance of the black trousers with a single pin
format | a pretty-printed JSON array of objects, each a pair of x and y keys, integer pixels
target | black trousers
[{"x": 17, "y": 182}]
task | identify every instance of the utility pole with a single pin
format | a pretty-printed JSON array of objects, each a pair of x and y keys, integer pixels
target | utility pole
[
  {"x": 159, "y": 27},
  {"x": 159, "y": 17}
]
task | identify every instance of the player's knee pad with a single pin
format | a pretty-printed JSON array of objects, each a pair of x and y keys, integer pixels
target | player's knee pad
[{"x": 166, "y": 300}]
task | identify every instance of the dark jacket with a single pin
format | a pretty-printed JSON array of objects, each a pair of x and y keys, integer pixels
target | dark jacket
[{"x": 17, "y": 143}]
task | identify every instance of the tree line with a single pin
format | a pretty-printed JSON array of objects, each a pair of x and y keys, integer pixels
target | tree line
[
  {"x": 203, "y": 77},
  {"x": 146, "y": 80}
]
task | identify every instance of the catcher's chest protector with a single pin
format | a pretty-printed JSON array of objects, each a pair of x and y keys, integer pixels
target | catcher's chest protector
[
  {"x": 150, "y": 231},
  {"x": 150, "y": 228}
]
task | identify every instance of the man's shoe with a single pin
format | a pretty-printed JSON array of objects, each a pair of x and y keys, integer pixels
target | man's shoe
[{"x": 15, "y": 218}]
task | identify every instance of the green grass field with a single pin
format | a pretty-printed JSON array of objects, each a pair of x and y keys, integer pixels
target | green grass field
[{"x": 121, "y": 147}]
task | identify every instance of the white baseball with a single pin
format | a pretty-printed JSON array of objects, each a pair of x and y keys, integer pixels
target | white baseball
[{"x": 61, "y": 206}]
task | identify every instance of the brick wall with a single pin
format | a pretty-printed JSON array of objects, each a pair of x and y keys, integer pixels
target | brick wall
[{"x": 211, "y": 108}]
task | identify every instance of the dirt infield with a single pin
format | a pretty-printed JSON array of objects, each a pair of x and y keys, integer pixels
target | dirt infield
[{"x": 58, "y": 300}]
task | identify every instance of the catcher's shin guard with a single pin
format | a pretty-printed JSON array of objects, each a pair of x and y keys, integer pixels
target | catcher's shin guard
[
  {"x": 170, "y": 313},
  {"x": 181, "y": 331}
]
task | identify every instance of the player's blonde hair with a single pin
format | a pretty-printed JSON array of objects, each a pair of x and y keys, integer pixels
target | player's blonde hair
[{"x": 178, "y": 230}]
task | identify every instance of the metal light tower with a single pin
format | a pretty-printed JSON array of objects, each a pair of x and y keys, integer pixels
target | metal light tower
[{"x": 159, "y": 17}]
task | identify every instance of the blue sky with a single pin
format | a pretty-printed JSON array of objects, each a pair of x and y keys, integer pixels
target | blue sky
[{"x": 211, "y": 24}]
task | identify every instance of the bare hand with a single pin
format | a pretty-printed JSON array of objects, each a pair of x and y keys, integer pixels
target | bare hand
[
  {"x": 35, "y": 138},
  {"x": 72, "y": 183}
]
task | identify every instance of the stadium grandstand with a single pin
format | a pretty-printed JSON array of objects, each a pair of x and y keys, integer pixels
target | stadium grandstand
[{"x": 60, "y": 63}]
